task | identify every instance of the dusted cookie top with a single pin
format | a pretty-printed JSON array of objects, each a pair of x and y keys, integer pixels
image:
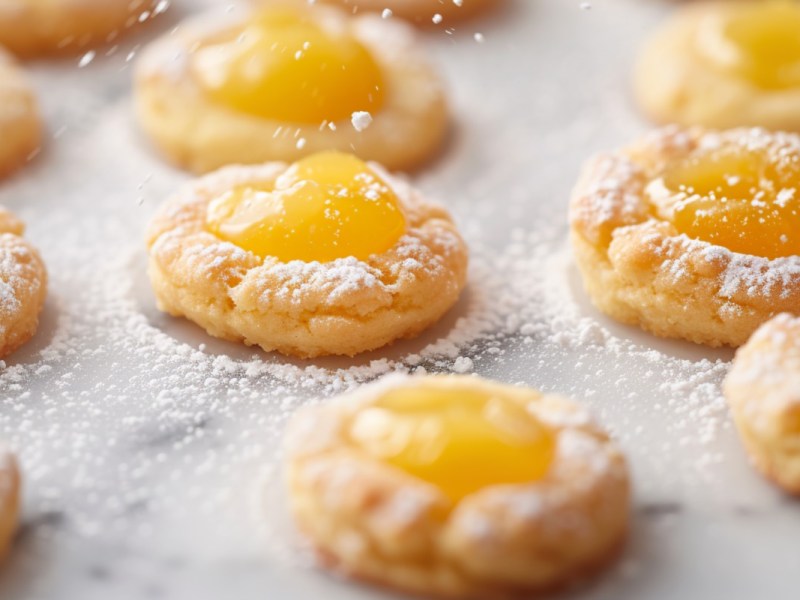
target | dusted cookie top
[
  {"x": 23, "y": 285},
  {"x": 457, "y": 486},
  {"x": 327, "y": 256},
  {"x": 692, "y": 233}
]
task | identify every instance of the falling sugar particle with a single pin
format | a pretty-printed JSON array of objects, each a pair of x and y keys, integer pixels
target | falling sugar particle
[
  {"x": 386, "y": 14},
  {"x": 86, "y": 59},
  {"x": 301, "y": 143},
  {"x": 437, "y": 18},
  {"x": 361, "y": 120},
  {"x": 479, "y": 37},
  {"x": 458, "y": 3},
  {"x": 586, "y": 6}
]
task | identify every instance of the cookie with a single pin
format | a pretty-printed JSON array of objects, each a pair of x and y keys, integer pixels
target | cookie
[
  {"x": 20, "y": 124},
  {"x": 421, "y": 12},
  {"x": 690, "y": 233},
  {"x": 23, "y": 285},
  {"x": 325, "y": 256},
  {"x": 457, "y": 487},
  {"x": 9, "y": 500},
  {"x": 31, "y": 28},
  {"x": 724, "y": 64},
  {"x": 207, "y": 97},
  {"x": 762, "y": 391}
]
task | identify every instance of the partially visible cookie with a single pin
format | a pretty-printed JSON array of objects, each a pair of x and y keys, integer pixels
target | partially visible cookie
[
  {"x": 20, "y": 124},
  {"x": 45, "y": 27},
  {"x": 23, "y": 285},
  {"x": 422, "y": 12},
  {"x": 724, "y": 64},
  {"x": 9, "y": 500},
  {"x": 763, "y": 391}
]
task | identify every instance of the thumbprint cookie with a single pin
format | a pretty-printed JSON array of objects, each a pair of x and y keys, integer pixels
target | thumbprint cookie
[
  {"x": 763, "y": 391},
  {"x": 288, "y": 81},
  {"x": 329, "y": 255},
  {"x": 692, "y": 234},
  {"x": 457, "y": 487},
  {"x": 725, "y": 64}
]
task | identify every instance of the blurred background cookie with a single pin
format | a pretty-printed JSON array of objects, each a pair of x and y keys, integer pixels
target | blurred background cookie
[
  {"x": 724, "y": 64},
  {"x": 31, "y": 28},
  {"x": 288, "y": 81},
  {"x": 20, "y": 123}
]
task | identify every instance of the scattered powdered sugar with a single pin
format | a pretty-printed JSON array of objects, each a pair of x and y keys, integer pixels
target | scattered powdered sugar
[
  {"x": 139, "y": 431},
  {"x": 463, "y": 364},
  {"x": 193, "y": 390}
]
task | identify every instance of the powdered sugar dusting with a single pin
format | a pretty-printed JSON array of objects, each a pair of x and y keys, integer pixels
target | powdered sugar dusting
[
  {"x": 620, "y": 189},
  {"x": 139, "y": 435}
]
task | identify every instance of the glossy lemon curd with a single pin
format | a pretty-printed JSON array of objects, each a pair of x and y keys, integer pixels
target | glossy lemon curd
[
  {"x": 285, "y": 66},
  {"x": 460, "y": 440},
  {"x": 327, "y": 206},
  {"x": 739, "y": 199},
  {"x": 762, "y": 42}
]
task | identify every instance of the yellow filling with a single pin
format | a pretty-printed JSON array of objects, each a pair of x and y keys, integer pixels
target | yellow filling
[
  {"x": 761, "y": 42},
  {"x": 459, "y": 440},
  {"x": 287, "y": 67},
  {"x": 739, "y": 199},
  {"x": 327, "y": 206}
]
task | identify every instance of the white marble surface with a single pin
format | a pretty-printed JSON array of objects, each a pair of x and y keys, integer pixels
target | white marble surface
[{"x": 151, "y": 465}]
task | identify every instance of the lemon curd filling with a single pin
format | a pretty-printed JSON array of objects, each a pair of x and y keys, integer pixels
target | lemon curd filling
[
  {"x": 288, "y": 67},
  {"x": 459, "y": 440},
  {"x": 742, "y": 199},
  {"x": 759, "y": 41},
  {"x": 327, "y": 206}
]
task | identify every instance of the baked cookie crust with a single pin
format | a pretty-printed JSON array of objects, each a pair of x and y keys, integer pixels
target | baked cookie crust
[
  {"x": 376, "y": 522},
  {"x": 304, "y": 309},
  {"x": 9, "y": 500},
  {"x": 637, "y": 268},
  {"x": 201, "y": 135},
  {"x": 23, "y": 285},
  {"x": 674, "y": 83},
  {"x": 20, "y": 124},
  {"x": 763, "y": 391},
  {"x": 31, "y": 28},
  {"x": 421, "y": 12}
]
